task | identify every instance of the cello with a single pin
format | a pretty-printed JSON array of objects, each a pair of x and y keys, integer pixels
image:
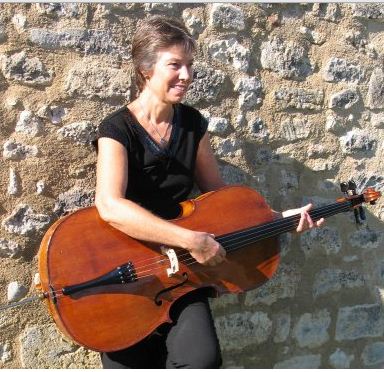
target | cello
[{"x": 107, "y": 291}]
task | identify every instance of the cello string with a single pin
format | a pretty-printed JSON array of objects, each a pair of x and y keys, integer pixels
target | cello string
[
  {"x": 287, "y": 222},
  {"x": 250, "y": 238},
  {"x": 282, "y": 223}
]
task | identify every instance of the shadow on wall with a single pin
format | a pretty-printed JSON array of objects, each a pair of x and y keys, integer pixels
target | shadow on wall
[{"x": 323, "y": 307}]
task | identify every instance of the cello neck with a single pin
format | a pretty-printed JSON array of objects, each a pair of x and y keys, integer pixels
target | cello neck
[{"x": 279, "y": 226}]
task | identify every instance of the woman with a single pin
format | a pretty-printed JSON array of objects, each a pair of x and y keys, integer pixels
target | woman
[{"x": 149, "y": 154}]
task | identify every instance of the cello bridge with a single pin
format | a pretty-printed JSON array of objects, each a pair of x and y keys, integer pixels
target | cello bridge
[{"x": 174, "y": 263}]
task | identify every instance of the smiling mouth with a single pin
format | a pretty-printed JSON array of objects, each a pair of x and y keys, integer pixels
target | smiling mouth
[{"x": 180, "y": 88}]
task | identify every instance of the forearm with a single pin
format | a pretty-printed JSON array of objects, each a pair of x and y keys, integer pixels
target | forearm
[{"x": 139, "y": 223}]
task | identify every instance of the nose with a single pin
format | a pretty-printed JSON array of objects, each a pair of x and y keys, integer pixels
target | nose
[{"x": 186, "y": 73}]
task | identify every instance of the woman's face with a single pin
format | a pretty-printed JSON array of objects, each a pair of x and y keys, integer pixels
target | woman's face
[{"x": 171, "y": 75}]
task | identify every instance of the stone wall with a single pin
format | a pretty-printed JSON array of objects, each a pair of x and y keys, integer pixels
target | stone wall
[{"x": 294, "y": 97}]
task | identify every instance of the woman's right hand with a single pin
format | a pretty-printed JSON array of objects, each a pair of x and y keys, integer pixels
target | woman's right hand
[{"x": 205, "y": 249}]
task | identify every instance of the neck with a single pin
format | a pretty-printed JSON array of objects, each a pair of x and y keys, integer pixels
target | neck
[
  {"x": 239, "y": 239},
  {"x": 154, "y": 109}
]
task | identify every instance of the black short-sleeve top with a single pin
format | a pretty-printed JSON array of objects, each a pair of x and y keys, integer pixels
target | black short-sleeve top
[{"x": 158, "y": 178}]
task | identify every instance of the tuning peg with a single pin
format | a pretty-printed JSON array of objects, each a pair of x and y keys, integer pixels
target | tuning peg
[
  {"x": 352, "y": 186},
  {"x": 344, "y": 187}
]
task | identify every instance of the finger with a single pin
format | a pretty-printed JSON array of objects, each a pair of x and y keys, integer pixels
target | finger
[
  {"x": 309, "y": 220},
  {"x": 301, "y": 223},
  {"x": 320, "y": 222},
  {"x": 307, "y": 207}
]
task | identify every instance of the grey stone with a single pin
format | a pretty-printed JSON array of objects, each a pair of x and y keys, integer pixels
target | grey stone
[
  {"x": 377, "y": 120},
  {"x": 282, "y": 327},
  {"x": 329, "y": 12},
  {"x": 326, "y": 239},
  {"x": 370, "y": 11},
  {"x": 313, "y": 36},
  {"x": 229, "y": 147},
  {"x": 335, "y": 124},
  {"x": 29, "y": 124},
  {"x": 359, "y": 321},
  {"x": 230, "y": 52},
  {"x": 339, "y": 69},
  {"x": 250, "y": 90},
  {"x": 84, "y": 40},
  {"x": 288, "y": 59},
  {"x": 83, "y": 132},
  {"x": 333, "y": 280},
  {"x": 340, "y": 360},
  {"x": 47, "y": 8},
  {"x": 28, "y": 71},
  {"x": 160, "y": 7},
  {"x": 373, "y": 354},
  {"x": 370, "y": 180},
  {"x": 332, "y": 12},
  {"x": 14, "y": 186},
  {"x": 216, "y": 125},
  {"x": 358, "y": 141},
  {"x": 309, "y": 361},
  {"x": 40, "y": 187},
  {"x": 24, "y": 221},
  {"x": 295, "y": 128},
  {"x": 227, "y": 17},
  {"x": 283, "y": 284},
  {"x": 258, "y": 130},
  {"x": 375, "y": 96},
  {"x": 9, "y": 249},
  {"x": 54, "y": 114},
  {"x": 43, "y": 347},
  {"x": 366, "y": 239},
  {"x": 73, "y": 199},
  {"x": 317, "y": 150},
  {"x": 309, "y": 99},
  {"x": 344, "y": 99},
  {"x": 90, "y": 80},
  {"x": 15, "y": 292},
  {"x": 17, "y": 151},
  {"x": 193, "y": 22},
  {"x": 312, "y": 329},
  {"x": 236, "y": 331},
  {"x": 65, "y": 10},
  {"x": 5, "y": 353},
  {"x": 356, "y": 39},
  {"x": 206, "y": 86}
]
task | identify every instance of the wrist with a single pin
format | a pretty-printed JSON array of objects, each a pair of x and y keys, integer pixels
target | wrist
[{"x": 186, "y": 239}]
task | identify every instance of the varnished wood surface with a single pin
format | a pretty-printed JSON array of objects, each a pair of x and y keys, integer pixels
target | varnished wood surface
[{"x": 81, "y": 247}]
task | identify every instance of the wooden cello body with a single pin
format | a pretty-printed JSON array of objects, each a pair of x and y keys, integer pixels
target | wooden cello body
[{"x": 81, "y": 246}]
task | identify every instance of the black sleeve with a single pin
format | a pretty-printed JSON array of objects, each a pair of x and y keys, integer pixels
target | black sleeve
[{"x": 113, "y": 130}]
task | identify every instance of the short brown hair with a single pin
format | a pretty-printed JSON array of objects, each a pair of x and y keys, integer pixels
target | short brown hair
[{"x": 152, "y": 35}]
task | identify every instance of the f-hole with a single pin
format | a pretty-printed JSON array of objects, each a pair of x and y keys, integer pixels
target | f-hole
[{"x": 159, "y": 302}]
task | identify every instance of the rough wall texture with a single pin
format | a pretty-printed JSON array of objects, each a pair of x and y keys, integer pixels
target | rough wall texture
[{"x": 294, "y": 95}]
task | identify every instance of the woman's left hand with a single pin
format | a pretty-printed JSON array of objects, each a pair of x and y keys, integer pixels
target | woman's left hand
[{"x": 306, "y": 221}]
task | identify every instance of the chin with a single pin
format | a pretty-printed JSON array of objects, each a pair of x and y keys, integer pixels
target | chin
[{"x": 174, "y": 100}]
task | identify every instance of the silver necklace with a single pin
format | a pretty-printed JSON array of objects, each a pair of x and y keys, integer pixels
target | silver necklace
[{"x": 163, "y": 141}]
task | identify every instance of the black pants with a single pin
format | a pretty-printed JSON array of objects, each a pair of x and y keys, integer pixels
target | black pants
[{"x": 189, "y": 342}]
